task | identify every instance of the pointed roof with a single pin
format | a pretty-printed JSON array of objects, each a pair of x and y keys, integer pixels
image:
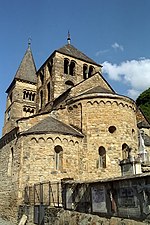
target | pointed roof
[
  {"x": 70, "y": 50},
  {"x": 27, "y": 70},
  {"x": 52, "y": 125}
]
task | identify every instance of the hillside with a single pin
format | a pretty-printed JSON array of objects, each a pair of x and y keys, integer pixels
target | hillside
[{"x": 143, "y": 101}]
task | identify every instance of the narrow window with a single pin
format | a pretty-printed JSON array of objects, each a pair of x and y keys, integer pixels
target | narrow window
[
  {"x": 85, "y": 72},
  {"x": 30, "y": 96},
  {"x": 41, "y": 78},
  {"x": 41, "y": 99},
  {"x": 50, "y": 66},
  {"x": 102, "y": 157},
  {"x": 66, "y": 66},
  {"x": 48, "y": 92},
  {"x": 90, "y": 71},
  {"x": 72, "y": 68},
  {"x": 58, "y": 157},
  {"x": 24, "y": 94},
  {"x": 33, "y": 97},
  {"x": 8, "y": 114}
]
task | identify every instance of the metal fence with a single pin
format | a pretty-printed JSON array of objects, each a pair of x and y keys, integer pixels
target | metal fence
[{"x": 47, "y": 193}]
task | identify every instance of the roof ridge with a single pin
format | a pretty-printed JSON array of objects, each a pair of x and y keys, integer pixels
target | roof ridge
[{"x": 70, "y": 50}]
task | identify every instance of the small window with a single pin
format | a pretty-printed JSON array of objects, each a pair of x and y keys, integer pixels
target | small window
[
  {"x": 48, "y": 92},
  {"x": 90, "y": 71},
  {"x": 112, "y": 129},
  {"x": 58, "y": 157},
  {"x": 72, "y": 68},
  {"x": 66, "y": 66},
  {"x": 102, "y": 157},
  {"x": 85, "y": 72},
  {"x": 41, "y": 99},
  {"x": 50, "y": 66}
]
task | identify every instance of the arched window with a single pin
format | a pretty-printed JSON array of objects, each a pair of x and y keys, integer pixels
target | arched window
[
  {"x": 66, "y": 66},
  {"x": 41, "y": 99},
  {"x": 90, "y": 71},
  {"x": 48, "y": 92},
  {"x": 125, "y": 151},
  {"x": 102, "y": 157},
  {"x": 85, "y": 72},
  {"x": 58, "y": 157},
  {"x": 72, "y": 68}
]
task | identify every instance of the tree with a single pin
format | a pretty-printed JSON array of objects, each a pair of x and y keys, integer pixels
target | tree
[{"x": 143, "y": 101}]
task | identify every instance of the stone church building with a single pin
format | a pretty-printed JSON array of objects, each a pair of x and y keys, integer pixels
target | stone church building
[{"x": 63, "y": 121}]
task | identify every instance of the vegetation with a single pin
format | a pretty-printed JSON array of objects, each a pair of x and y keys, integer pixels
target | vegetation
[{"x": 143, "y": 101}]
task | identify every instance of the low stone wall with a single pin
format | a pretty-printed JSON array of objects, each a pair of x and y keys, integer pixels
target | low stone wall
[{"x": 55, "y": 216}]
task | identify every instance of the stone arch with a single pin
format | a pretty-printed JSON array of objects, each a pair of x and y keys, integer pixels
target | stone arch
[
  {"x": 57, "y": 141},
  {"x": 69, "y": 83},
  {"x": 65, "y": 141},
  {"x": 34, "y": 140},
  {"x": 89, "y": 103},
  {"x": 41, "y": 140},
  {"x": 109, "y": 103},
  {"x": 50, "y": 140},
  {"x": 102, "y": 102},
  {"x": 115, "y": 103},
  {"x": 71, "y": 142},
  {"x": 95, "y": 103}
]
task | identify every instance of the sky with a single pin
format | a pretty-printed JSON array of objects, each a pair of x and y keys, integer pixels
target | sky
[{"x": 114, "y": 33}]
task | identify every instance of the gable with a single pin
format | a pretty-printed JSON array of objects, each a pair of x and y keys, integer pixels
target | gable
[{"x": 92, "y": 83}]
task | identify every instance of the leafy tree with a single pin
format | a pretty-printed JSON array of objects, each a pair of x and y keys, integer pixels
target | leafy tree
[{"x": 143, "y": 101}]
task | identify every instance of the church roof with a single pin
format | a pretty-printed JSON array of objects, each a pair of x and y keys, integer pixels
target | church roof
[
  {"x": 52, "y": 125},
  {"x": 98, "y": 89},
  {"x": 70, "y": 50},
  {"x": 27, "y": 70}
]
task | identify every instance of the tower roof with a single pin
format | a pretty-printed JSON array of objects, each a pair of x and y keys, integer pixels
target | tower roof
[
  {"x": 70, "y": 50},
  {"x": 27, "y": 70}
]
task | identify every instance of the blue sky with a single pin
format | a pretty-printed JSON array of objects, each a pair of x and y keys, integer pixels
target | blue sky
[{"x": 115, "y": 33}]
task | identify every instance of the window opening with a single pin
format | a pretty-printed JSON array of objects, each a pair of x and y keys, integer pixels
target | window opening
[
  {"x": 90, "y": 71},
  {"x": 102, "y": 157},
  {"x": 66, "y": 66},
  {"x": 112, "y": 129},
  {"x": 48, "y": 91},
  {"x": 85, "y": 72},
  {"x": 72, "y": 68},
  {"x": 58, "y": 157},
  {"x": 41, "y": 99}
]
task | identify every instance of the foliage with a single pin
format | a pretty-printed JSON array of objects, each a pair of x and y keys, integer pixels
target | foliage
[{"x": 143, "y": 101}]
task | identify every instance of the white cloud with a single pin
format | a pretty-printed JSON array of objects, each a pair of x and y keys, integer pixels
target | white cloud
[
  {"x": 116, "y": 46},
  {"x": 134, "y": 73},
  {"x": 102, "y": 52}
]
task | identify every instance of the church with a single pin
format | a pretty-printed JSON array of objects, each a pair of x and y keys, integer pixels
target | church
[{"x": 64, "y": 121}]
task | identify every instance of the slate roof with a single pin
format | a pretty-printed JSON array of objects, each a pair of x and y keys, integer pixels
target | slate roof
[
  {"x": 70, "y": 50},
  {"x": 98, "y": 89},
  {"x": 52, "y": 125},
  {"x": 26, "y": 70}
]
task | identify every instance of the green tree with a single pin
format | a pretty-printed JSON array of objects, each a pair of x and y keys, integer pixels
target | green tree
[{"x": 143, "y": 101}]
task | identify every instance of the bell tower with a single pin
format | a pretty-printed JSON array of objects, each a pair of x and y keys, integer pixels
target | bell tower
[{"x": 21, "y": 93}]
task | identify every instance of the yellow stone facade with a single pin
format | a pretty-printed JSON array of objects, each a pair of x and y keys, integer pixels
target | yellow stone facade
[{"x": 77, "y": 129}]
